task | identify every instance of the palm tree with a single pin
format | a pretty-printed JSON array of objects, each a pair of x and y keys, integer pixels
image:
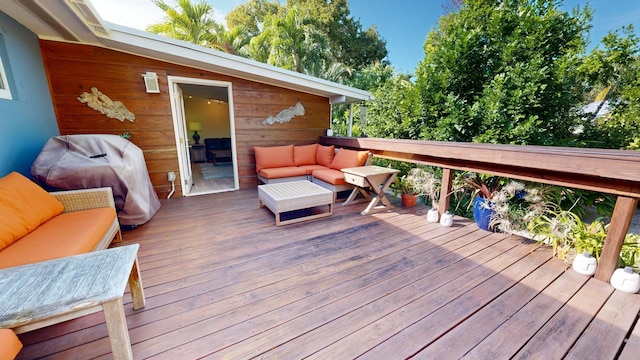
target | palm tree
[
  {"x": 332, "y": 71},
  {"x": 234, "y": 41},
  {"x": 295, "y": 41},
  {"x": 188, "y": 22}
]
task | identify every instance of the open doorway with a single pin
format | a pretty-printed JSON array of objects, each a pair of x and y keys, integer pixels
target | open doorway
[{"x": 205, "y": 135}]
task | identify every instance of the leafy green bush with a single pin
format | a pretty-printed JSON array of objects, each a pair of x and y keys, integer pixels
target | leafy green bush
[{"x": 568, "y": 235}]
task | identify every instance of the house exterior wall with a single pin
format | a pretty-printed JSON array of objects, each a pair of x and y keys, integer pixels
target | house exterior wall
[
  {"x": 73, "y": 69},
  {"x": 27, "y": 120}
]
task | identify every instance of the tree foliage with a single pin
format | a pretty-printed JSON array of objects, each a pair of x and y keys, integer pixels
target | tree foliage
[
  {"x": 613, "y": 73},
  {"x": 397, "y": 110},
  {"x": 251, "y": 15},
  {"x": 189, "y": 22},
  {"x": 503, "y": 71},
  {"x": 341, "y": 38},
  {"x": 295, "y": 42},
  {"x": 349, "y": 43}
]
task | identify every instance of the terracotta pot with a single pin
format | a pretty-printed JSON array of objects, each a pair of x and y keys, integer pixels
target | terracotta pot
[{"x": 409, "y": 200}]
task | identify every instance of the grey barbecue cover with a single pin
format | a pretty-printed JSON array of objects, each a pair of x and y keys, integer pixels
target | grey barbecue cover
[{"x": 88, "y": 161}]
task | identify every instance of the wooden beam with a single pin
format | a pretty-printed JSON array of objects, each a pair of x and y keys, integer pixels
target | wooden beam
[
  {"x": 622, "y": 215},
  {"x": 445, "y": 190},
  {"x": 602, "y": 170}
]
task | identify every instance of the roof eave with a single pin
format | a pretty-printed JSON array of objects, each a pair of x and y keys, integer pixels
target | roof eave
[{"x": 183, "y": 53}]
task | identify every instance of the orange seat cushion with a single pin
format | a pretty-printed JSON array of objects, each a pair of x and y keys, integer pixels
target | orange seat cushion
[
  {"x": 304, "y": 154},
  {"x": 10, "y": 345},
  {"x": 65, "y": 235},
  {"x": 273, "y": 156},
  {"x": 23, "y": 207},
  {"x": 324, "y": 155},
  {"x": 346, "y": 158},
  {"x": 282, "y": 172},
  {"x": 331, "y": 176},
  {"x": 311, "y": 168}
]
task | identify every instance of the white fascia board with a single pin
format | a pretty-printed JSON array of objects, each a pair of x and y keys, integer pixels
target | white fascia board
[{"x": 184, "y": 53}]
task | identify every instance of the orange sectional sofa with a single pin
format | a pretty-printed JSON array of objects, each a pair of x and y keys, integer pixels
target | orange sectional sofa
[
  {"x": 317, "y": 163},
  {"x": 36, "y": 225}
]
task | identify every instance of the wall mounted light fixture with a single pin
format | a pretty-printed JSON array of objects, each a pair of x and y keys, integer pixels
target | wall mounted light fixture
[{"x": 151, "y": 82}]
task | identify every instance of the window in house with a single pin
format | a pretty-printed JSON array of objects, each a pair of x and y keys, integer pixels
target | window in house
[{"x": 5, "y": 91}]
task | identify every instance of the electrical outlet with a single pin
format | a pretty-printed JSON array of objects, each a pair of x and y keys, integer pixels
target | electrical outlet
[{"x": 172, "y": 176}]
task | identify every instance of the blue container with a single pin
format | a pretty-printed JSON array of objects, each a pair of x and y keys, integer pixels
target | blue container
[{"x": 482, "y": 212}]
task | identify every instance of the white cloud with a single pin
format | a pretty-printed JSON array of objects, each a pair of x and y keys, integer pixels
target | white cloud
[{"x": 137, "y": 14}]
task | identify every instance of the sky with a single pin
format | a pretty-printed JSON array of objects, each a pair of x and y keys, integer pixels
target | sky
[{"x": 404, "y": 24}]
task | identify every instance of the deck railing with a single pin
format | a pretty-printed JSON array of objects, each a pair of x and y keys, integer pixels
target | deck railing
[{"x": 614, "y": 172}]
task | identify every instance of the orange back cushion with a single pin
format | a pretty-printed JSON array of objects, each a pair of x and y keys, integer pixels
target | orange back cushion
[
  {"x": 324, "y": 155},
  {"x": 304, "y": 154},
  {"x": 348, "y": 158},
  {"x": 273, "y": 156},
  {"x": 12, "y": 227},
  {"x": 28, "y": 204}
]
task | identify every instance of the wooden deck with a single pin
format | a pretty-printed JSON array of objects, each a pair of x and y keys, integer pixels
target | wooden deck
[{"x": 222, "y": 281}]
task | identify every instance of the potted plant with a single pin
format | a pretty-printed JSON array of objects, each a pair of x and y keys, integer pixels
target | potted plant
[
  {"x": 501, "y": 204},
  {"x": 407, "y": 190},
  {"x": 417, "y": 182},
  {"x": 483, "y": 190}
]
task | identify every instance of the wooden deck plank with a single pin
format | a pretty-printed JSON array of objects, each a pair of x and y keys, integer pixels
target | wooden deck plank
[
  {"x": 610, "y": 326},
  {"x": 326, "y": 332},
  {"x": 223, "y": 281},
  {"x": 556, "y": 337},
  {"x": 515, "y": 332},
  {"x": 411, "y": 338},
  {"x": 329, "y": 294},
  {"x": 465, "y": 336},
  {"x": 192, "y": 304},
  {"x": 349, "y": 266},
  {"x": 632, "y": 346},
  {"x": 435, "y": 286},
  {"x": 161, "y": 313}
]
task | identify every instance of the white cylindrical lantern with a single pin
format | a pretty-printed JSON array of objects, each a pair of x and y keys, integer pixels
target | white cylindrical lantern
[
  {"x": 329, "y": 132},
  {"x": 446, "y": 219},
  {"x": 626, "y": 280},
  {"x": 432, "y": 215},
  {"x": 584, "y": 264}
]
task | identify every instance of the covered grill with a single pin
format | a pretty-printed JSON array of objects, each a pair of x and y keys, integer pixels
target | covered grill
[{"x": 72, "y": 162}]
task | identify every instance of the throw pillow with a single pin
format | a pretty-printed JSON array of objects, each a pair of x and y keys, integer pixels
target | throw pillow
[
  {"x": 324, "y": 155},
  {"x": 348, "y": 158},
  {"x": 304, "y": 154},
  {"x": 273, "y": 156}
]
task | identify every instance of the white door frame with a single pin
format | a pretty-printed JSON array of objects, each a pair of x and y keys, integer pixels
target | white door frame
[{"x": 180, "y": 126}]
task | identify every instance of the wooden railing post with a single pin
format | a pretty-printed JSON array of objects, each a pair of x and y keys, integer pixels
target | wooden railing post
[
  {"x": 445, "y": 190},
  {"x": 620, "y": 220}
]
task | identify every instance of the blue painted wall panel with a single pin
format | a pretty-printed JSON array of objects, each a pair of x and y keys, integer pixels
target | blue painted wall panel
[{"x": 28, "y": 120}]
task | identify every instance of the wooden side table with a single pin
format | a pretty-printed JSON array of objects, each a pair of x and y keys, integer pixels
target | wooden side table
[
  {"x": 197, "y": 153},
  {"x": 49, "y": 292},
  {"x": 374, "y": 178}
]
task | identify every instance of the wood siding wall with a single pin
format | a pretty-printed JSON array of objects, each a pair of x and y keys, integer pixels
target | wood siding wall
[{"x": 73, "y": 69}]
